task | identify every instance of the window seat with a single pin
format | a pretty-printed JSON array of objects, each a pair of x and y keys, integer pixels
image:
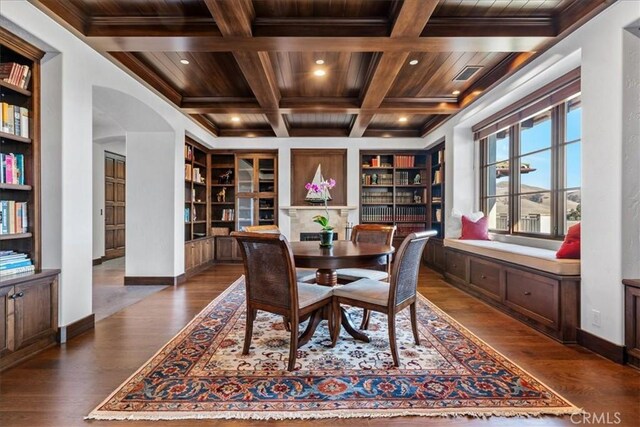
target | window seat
[{"x": 536, "y": 258}]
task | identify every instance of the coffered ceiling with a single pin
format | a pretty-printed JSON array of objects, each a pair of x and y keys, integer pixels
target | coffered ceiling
[{"x": 321, "y": 67}]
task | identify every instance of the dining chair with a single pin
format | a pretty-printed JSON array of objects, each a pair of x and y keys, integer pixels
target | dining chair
[
  {"x": 271, "y": 285},
  {"x": 369, "y": 233},
  {"x": 388, "y": 298},
  {"x": 307, "y": 275}
]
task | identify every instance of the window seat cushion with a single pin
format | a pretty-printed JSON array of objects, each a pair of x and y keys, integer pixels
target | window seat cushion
[{"x": 539, "y": 259}]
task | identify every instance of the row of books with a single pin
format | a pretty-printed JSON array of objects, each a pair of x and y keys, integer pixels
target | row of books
[
  {"x": 377, "y": 179},
  {"x": 12, "y": 262},
  {"x": 376, "y": 162},
  {"x": 436, "y": 199},
  {"x": 15, "y": 74},
  {"x": 11, "y": 168},
  {"x": 438, "y": 157},
  {"x": 437, "y": 177},
  {"x": 411, "y": 213},
  {"x": 402, "y": 178},
  {"x": 228, "y": 215},
  {"x": 406, "y": 229},
  {"x": 190, "y": 215},
  {"x": 188, "y": 152},
  {"x": 408, "y": 197},
  {"x": 15, "y": 120},
  {"x": 13, "y": 217},
  {"x": 377, "y": 197},
  {"x": 193, "y": 174},
  {"x": 405, "y": 161},
  {"x": 377, "y": 213}
]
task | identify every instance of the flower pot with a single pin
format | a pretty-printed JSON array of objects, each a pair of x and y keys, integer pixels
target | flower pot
[{"x": 326, "y": 238}]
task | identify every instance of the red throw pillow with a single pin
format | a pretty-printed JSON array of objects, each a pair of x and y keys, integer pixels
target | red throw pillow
[
  {"x": 570, "y": 248},
  {"x": 478, "y": 230}
]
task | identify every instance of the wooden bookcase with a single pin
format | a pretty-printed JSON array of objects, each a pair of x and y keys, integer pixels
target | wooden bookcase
[
  {"x": 433, "y": 255},
  {"x": 195, "y": 190},
  {"x": 28, "y": 301},
  {"x": 395, "y": 189}
]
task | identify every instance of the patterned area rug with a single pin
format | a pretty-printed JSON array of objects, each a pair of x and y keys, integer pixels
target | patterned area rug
[{"x": 201, "y": 373}]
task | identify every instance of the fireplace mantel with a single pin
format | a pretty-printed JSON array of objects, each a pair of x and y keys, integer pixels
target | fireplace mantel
[
  {"x": 302, "y": 218},
  {"x": 292, "y": 211}
]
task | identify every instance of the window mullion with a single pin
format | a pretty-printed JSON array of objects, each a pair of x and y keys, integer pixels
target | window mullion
[
  {"x": 558, "y": 181},
  {"x": 514, "y": 182}
]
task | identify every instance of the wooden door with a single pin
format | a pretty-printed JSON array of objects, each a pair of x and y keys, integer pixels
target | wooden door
[
  {"x": 6, "y": 320},
  {"x": 115, "y": 190},
  {"x": 33, "y": 312}
]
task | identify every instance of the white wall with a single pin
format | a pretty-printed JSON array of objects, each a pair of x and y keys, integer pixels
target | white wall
[
  {"x": 67, "y": 98},
  {"x": 607, "y": 55},
  {"x": 353, "y": 146},
  {"x": 117, "y": 145}
]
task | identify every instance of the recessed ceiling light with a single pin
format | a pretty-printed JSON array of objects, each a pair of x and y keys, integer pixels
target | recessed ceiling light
[
  {"x": 319, "y": 72},
  {"x": 455, "y": 92},
  {"x": 235, "y": 119},
  {"x": 413, "y": 62},
  {"x": 402, "y": 119},
  {"x": 319, "y": 61},
  {"x": 184, "y": 61}
]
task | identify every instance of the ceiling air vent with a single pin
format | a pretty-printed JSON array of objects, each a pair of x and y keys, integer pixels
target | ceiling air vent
[{"x": 467, "y": 72}]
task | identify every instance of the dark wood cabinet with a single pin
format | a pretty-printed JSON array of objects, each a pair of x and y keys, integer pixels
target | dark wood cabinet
[
  {"x": 632, "y": 321},
  {"x": 198, "y": 255},
  {"x": 549, "y": 303},
  {"x": 29, "y": 315},
  {"x": 227, "y": 249}
]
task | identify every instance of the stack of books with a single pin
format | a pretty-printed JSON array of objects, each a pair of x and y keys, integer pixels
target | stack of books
[
  {"x": 13, "y": 217},
  {"x": 12, "y": 262},
  {"x": 15, "y": 74},
  {"x": 12, "y": 168},
  {"x": 15, "y": 120}
]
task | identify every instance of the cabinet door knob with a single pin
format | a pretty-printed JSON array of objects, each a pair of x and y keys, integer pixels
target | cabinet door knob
[
  {"x": 527, "y": 293},
  {"x": 482, "y": 276},
  {"x": 16, "y": 296}
]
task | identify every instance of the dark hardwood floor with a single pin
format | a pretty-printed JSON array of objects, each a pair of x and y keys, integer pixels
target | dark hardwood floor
[{"x": 61, "y": 385}]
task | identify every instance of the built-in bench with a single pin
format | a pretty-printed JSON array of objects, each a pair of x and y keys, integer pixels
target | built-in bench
[{"x": 528, "y": 283}]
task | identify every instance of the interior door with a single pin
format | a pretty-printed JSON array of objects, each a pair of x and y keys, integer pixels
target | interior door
[{"x": 114, "y": 204}]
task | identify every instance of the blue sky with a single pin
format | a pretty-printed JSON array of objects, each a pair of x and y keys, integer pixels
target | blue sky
[{"x": 539, "y": 137}]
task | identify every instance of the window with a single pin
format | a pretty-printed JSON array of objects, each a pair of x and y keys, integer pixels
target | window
[{"x": 531, "y": 172}]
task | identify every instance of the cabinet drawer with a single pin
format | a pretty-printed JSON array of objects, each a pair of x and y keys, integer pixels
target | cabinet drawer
[
  {"x": 536, "y": 297},
  {"x": 456, "y": 264},
  {"x": 485, "y": 276}
]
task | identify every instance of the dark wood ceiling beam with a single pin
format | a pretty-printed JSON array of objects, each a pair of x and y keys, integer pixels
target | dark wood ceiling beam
[
  {"x": 67, "y": 11},
  {"x": 206, "y": 123},
  {"x": 328, "y": 132},
  {"x": 247, "y": 133},
  {"x": 516, "y": 26},
  {"x": 235, "y": 19},
  {"x": 141, "y": 70},
  {"x": 320, "y": 27},
  {"x": 409, "y": 22},
  {"x": 579, "y": 12},
  {"x": 159, "y": 26},
  {"x": 392, "y": 133},
  {"x": 431, "y": 124},
  {"x": 316, "y": 44}
]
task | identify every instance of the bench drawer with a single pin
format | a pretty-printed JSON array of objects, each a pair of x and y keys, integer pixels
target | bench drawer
[
  {"x": 536, "y": 297},
  {"x": 456, "y": 264},
  {"x": 485, "y": 277}
]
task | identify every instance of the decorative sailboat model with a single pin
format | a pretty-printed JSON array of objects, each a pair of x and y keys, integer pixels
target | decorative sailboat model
[{"x": 313, "y": 197}]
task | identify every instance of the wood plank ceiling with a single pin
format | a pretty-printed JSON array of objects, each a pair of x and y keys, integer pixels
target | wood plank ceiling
[{"x": 391, "y": 67}]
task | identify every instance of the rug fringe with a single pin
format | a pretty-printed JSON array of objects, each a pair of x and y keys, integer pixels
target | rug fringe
[{"x": 263, "y": 416}]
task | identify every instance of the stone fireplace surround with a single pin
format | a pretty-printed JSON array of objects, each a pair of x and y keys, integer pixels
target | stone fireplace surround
[{"x": 302, "y": 222}]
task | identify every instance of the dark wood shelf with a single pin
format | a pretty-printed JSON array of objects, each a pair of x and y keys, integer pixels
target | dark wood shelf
[
  {"x": 15, "y": 236},
  {"x": 223, "y": 166},
  {"x": 223, "y": 203},
  {"x": 15, "y": 88},
  {"x": 407, "y": 221},
  {"x": 411, "y": 168},
  {"x": 200, "y": 164},
  {"x": 377, "y": 185},
  {"x": 411, "y": 186},
  {"x": 18, "y": 187},
  {"x": 17, "y": 138},
  {"x": 223, "y": 185},
  {"x": 437, "y": 185},
  {"x": 376, "y": 167},
  {"x": 377, "y": 204}
]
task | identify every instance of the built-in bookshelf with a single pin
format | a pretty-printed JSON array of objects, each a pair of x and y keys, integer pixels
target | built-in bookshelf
[
  {"x": 223, "y": 192},
  {"x": 196, "y": 208},
  {"x": 19, "y": 155},
  {"x": 394, "y": 189},
  {"x": 436, "y": 195}
]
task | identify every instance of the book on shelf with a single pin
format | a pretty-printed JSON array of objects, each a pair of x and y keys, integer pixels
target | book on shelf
[
  {"x": 441, "y": 156},
  {"x": 377, "y": 213},
  {"x": 405, "y": 161},
  {"x": 187, "y": 215},
  {"x": 13, "y": 217},
  {"x": 228, "y": 215},
  {"x": 15, "y": 74},
  {"x": 437, "y": 177},
  {"x": 12, "y": 262},
  {"x": 11, "y": 168},
  {"x": 438, "y": 215},
  {"x": 15, "y": 120},
  {"x": 408, "y": 228},
  {"x": 410, "y": 213},
  {"x": 436, "y": 199},
  {"x": 188, "y": 152},
  {"x": 377, "y": 179}
]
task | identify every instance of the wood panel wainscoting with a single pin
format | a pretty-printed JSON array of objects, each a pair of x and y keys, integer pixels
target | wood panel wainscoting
[
  {"x": 632, "y": 321},
  {"x": 29, "y": 315},
  {"x": 304, "y": 163},
  {"x": 547, "y": 302}
]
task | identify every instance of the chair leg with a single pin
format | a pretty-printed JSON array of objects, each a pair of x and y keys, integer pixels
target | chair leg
[
  {"x": 366, "y": 316},
  {"x": 337, "y": 317},
  {"x": 248, "y": 330},
  {"x": 293, "y": 346},
  {"x": 287, "y": 323},
  {"x": 414, "y": 322},
  {"x": 392, "y": 339}
]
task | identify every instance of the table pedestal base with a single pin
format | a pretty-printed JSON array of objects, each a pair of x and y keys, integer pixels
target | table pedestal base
[{"x": 327, "y": 277}]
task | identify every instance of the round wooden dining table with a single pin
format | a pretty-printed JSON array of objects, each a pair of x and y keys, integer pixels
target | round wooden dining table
[{"x": 343, "y": 254}]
